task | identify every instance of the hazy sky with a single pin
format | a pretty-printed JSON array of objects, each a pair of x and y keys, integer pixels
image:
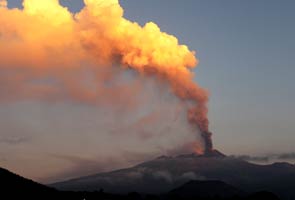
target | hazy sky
[{"x": 246, "y": 51}]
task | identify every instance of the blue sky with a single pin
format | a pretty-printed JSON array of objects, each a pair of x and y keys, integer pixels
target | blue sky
[{"x": 246, "y": 51}]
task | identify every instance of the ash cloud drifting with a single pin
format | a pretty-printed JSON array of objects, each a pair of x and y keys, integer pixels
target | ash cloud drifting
[{"x": 98, "y": 58}]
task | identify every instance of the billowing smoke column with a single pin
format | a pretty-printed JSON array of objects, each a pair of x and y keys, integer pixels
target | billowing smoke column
[{"x": 45, "y": 37}]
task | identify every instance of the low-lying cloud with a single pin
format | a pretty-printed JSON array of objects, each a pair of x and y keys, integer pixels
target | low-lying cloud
[
  {"x": 270, "y": 158},
  {"x": 14, "y": 140}
]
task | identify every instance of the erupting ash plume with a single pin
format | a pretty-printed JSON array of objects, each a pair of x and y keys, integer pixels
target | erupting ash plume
[{"x": 45, "y": 39}]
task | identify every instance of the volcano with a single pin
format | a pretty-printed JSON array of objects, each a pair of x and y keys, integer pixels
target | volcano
[{"x": 165, "y": 173}]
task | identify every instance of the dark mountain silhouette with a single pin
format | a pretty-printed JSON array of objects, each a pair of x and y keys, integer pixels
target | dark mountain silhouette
[
  {"x": 16, "y": 187},
  {"x": 164, "y": 173},
  {"x": 13, "y": 186},
  {"x": 263, "y": 195},
  {"x": 205, "y": 189}
]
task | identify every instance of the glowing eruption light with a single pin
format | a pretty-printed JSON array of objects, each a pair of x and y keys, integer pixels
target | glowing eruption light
[{"x": 44, "y": 37}]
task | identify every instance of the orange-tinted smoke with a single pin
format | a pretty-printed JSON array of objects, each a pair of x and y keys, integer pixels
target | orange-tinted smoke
[{"x": 45, "y": 36}]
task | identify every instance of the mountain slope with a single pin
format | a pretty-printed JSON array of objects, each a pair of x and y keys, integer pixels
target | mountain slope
[
  {"x": 16, "y": 187},
  {"x": 206, "y": 189},
  {"x": 13, "y": 185},
  {"x": 165, "y": 173}
]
